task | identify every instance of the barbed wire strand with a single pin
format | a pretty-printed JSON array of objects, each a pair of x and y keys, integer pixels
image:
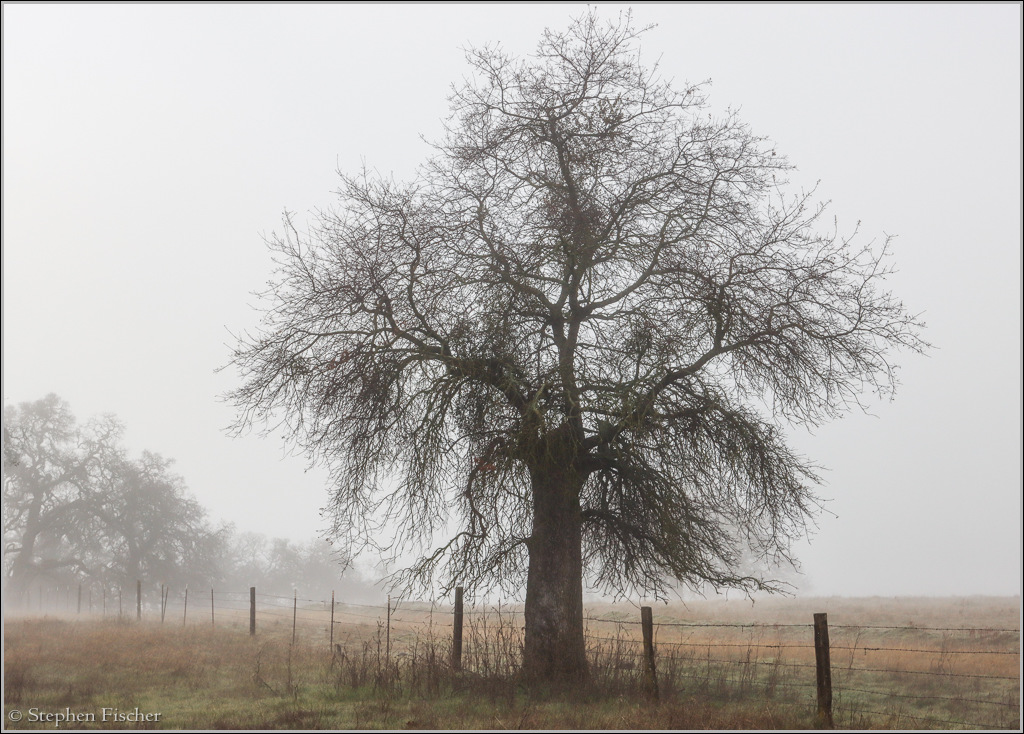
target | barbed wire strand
[
  {"x": 957, "y": 699},
  {"x": 930, "y": 672},
  {"x": 901, "y": 714},
  {"x": 932, "y": 651}
]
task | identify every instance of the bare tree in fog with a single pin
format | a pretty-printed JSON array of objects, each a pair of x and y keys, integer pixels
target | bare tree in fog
[
  {"x": 151, "y": 528},
  {"x": 279, "y": 566},
  {"x": 46, "y": 487},
  {"x": 578, "y": 332},
  {"x": 76, "y": 508}
]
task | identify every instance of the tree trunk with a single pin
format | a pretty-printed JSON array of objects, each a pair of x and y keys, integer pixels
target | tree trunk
[
  {"x": 22, "y": 570},
  {"x": 555, "y": 652}
]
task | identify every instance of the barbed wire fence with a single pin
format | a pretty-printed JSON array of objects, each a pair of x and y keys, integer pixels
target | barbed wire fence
[{"x": 878, "y": 675}]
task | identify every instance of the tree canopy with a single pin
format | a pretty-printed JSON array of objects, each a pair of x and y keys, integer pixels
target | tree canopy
[
  {"x": 77, "y": 508},
  {"x": 578, "y": 334}
]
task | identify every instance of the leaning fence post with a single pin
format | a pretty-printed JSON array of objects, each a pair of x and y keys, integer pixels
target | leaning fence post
[
  {"x": 457, "y": 631},
  {"x": 650, "y": 675},
  {"x": 252, "y": 611},
  {"x": 824, "y": 670}
]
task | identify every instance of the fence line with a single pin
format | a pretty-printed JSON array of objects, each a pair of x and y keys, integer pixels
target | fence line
[
  {"x": 904, "y": 715},
  {"x": 935, "y": 652},
  {"x": 933, "y": 672},
  {"x": 890, "y": 694},
  {"x": 927, "y": 629},
  {"x": 777, "y": 655}
]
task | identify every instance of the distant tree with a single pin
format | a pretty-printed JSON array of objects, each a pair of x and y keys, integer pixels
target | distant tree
[
  {"x": 281, "y": 566},
  {"x": 152, "y": 529},
  {"x": 48, "y": 461},
  {"x": 76, "y": 508},
  {"x": 579, "y": 332}
]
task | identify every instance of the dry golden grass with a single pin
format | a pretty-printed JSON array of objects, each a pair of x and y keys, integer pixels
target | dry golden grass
[{"x": 757, "y": 673}]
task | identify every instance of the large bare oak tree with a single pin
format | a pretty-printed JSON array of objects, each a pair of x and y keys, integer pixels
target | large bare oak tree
[{"x": 568, "y": 348}]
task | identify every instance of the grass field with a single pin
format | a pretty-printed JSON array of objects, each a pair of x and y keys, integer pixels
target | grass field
[{"x": 896, "y": 664}]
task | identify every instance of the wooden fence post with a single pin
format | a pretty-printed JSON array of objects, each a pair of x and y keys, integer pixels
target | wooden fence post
[
  {"x": 184, "y": 614},
  {"x": 295, "y": 611},
  {"x": 457, "y": 631},
  {"x": 163, "y": 603},
  {"x": 213, "y": 621},
  {"x": 387, "y": 643},
  {"x": 138, "y": 600},
  {"x": 823, "y": 667},
  {"x": 332, "y": 623},
  {"x": 252, "y": 611},
  {"x": 650, "y": 674}
]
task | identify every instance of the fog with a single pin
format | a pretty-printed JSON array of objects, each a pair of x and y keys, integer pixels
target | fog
[{"x": 148, "y": 148}]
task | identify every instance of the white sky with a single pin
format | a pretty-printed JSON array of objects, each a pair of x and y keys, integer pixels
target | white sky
[{"x": 147, "y": 147}]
